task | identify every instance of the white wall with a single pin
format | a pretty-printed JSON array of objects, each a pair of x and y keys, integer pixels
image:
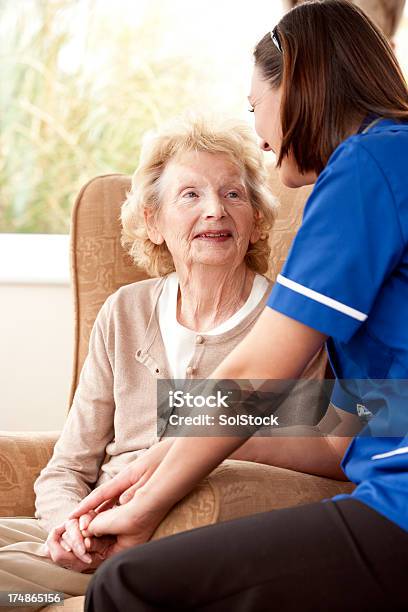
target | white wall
[
  {"x": 36, "y": 335},
  {"x": 36, "y": 332}
]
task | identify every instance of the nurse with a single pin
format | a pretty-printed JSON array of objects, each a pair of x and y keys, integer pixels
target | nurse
[{"x": 330, "y": 100}]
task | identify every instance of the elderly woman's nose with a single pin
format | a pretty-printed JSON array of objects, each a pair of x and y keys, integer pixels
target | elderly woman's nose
[{"x": 213, "y": 207}]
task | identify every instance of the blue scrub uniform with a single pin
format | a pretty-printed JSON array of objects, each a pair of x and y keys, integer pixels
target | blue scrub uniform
[{"x": 347, "y": 276}]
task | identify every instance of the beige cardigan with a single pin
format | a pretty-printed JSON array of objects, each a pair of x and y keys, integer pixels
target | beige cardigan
[{"x": 113, "y": 415}]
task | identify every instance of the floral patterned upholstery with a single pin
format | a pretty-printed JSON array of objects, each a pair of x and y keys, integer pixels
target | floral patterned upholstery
[{"x": 22, "y": 457}]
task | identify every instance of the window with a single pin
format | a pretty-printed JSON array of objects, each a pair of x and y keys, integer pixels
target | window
[{"x": 82, "y": 80}]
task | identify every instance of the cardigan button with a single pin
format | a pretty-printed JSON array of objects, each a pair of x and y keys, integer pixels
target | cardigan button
[{"x": 199, "y": 339}]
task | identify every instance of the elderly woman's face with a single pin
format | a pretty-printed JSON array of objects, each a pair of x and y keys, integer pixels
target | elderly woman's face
[{"x": 205, "y": 215}]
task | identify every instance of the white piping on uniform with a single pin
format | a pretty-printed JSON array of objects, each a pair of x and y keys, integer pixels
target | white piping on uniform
[
  {"x": 398, "y": 451},
  {"x": 372, "y": 124},
  {"x": 323, "y": 299}
]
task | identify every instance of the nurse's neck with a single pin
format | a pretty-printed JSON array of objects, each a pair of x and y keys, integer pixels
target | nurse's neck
[{"x": 359, "y": 123}]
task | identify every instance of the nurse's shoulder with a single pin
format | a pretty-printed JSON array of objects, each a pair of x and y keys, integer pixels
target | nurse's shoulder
[
  {"x": 386, "y": 144},
  {"x": 375, "y": 164}
]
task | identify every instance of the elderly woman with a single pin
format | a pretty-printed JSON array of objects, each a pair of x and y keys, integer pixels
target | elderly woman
[{"x": 197, "y": 219}]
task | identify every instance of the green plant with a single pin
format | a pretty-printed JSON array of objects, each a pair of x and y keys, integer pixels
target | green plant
[{"x": 80, "y": 86}]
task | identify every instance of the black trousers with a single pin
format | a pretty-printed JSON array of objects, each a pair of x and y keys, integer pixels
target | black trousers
[{"x": 329, "y": 557}]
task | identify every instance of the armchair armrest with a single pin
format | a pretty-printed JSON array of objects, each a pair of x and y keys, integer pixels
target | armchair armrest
[
  {"x": 22, "y": 457},
  {"x": 241, "y": 488}
]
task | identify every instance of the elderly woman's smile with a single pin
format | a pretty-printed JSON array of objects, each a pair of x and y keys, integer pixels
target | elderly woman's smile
[{"x": 214, "y": 236}]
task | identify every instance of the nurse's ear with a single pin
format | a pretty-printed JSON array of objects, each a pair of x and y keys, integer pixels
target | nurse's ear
[{"x": 153, "y": 232}]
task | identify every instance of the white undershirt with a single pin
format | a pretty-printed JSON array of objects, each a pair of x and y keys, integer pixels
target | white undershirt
[{"x": 179, "y": 341}]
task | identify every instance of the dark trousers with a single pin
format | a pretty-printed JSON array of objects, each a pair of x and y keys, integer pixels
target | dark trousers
[{"x": 329, "y": 557}]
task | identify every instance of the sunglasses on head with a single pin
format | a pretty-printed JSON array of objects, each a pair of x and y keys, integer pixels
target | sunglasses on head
[{"x": 275, "y": 39}]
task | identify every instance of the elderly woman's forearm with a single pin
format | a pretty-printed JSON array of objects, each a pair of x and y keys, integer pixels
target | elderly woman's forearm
[{"x": 57, "y": 497}]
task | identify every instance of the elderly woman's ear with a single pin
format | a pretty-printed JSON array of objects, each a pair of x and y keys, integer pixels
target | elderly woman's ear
[
  {"x": 151, "y": 226},
  {"x": 256, "y": 233}
]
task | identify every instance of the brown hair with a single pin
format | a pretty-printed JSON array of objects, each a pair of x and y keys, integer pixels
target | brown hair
[
  {"x": 385, "y": 13},
  {"x": 335, "y": 67}
]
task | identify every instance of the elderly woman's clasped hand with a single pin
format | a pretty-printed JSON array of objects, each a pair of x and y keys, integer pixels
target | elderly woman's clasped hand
[
  {"x": 130, "y": 524},
  {"x": 67, "y": 546},
  {"x": 114, "y": 509}
]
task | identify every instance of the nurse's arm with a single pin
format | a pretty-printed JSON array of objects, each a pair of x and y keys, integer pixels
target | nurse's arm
[
  {"x": 277, "y": 347},
  {"x": 301, "y": 449}
]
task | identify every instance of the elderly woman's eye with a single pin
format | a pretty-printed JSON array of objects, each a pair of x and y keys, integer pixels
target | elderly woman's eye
[
  {"x": 233, "y": 195},
  {"x": 190, "y": 194}
]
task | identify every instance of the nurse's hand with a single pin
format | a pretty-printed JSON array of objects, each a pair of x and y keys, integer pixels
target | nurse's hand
[
  {"x": 124, "y": 485},
  {"x": 132, "y": 523}
]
